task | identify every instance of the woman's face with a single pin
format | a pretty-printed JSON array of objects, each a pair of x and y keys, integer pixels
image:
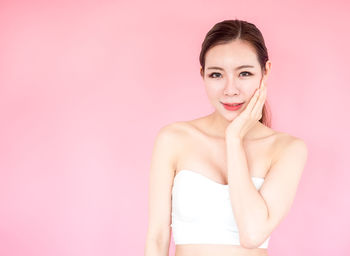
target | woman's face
[{"x": 226, "y": 81}]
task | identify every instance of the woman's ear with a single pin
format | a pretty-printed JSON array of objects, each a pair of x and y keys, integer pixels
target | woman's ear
[
  {"x": 201, "y": 72},
  {"x": 267, "y": 68}
]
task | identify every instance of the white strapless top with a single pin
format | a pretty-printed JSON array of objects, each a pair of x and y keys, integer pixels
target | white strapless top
[{"x": 202, "y": 211}]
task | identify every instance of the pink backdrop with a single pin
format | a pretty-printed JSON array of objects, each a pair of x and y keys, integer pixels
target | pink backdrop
[{"x": 86, "y": 85}]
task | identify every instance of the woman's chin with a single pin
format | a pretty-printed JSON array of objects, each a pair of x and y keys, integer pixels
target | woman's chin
[{"x": 230, "y": 117}]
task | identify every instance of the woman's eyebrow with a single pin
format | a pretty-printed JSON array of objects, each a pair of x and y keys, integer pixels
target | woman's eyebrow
[{"x": 239, "y": 67}]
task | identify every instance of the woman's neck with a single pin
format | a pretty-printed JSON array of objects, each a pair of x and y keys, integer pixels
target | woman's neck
[{"x": 217, "y": 125}]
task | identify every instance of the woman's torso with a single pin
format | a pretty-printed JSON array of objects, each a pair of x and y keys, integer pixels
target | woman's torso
[{"x": 206, "y": 155}]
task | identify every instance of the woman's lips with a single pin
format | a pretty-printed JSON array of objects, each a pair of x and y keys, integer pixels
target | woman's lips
[{"x": 232, "y": 107}]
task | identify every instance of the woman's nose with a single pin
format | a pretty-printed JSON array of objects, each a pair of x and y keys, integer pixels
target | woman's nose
[{"x": 231, "y": 88}]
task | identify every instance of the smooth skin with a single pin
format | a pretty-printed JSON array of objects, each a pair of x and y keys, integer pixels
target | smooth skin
[
  {"x": 200, "y": 145},
  {"x": 248, "y": 118}
]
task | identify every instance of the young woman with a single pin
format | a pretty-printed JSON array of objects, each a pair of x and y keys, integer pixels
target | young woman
[{"x": 223, "y": 182}]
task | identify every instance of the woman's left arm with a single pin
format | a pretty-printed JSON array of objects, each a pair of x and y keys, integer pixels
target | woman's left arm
[{"x": 258, "y": 213}]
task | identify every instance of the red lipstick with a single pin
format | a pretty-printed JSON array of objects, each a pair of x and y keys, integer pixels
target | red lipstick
[{"x": 232, "y": 107}]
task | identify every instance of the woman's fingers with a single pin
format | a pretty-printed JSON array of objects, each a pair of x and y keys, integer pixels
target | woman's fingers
[
  {"x": 257, "y": 110},
  {"x": 252, "y": 102},
  {"x": 260, "y": 89}
]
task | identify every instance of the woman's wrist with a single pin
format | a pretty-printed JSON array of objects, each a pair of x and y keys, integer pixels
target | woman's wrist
[{"x": 233, "y": 139}]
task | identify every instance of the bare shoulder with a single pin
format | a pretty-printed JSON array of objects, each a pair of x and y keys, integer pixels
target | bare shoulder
[
  {"x": 174, "y": 131},
  {"x": 285, "y": 143},
  {"x": 171, "y": 137}
]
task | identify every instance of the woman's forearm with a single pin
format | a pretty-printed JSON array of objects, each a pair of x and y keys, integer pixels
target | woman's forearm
[
  {"x": 249, "y": 207},
  {"x": 154, "y": 248}
]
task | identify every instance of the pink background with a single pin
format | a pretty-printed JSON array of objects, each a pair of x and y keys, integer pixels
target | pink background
[{"x": 86, "y": 85}]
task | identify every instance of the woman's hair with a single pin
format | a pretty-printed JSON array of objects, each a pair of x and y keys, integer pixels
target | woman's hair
[{"x": 229, "y": 30}]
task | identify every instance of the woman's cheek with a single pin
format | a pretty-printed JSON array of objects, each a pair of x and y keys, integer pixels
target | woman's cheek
[{"x": 213, "y": 91}]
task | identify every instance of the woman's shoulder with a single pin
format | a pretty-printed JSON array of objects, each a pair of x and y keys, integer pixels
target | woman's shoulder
[
  {"x": 172, "y": 138},
  {"x": 177, "y": 129},
  {"x": 285, "y": 141},
  {"x": 281, "y": 137},
  {"x": 173, "y": 133}
]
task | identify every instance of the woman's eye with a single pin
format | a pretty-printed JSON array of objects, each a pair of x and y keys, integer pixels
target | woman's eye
[
  {"x": 245, "y": 72},
  {"x": 217, "y": 75},
  {"x": 212, "y": 75}
]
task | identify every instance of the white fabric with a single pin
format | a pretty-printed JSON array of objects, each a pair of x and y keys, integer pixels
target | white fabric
[{"x": 202, "y": 211}]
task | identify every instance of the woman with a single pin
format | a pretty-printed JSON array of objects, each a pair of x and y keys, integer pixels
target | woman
[{"x": 223, "y": 182}]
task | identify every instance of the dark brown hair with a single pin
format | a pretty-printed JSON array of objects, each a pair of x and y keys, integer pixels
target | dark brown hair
[{"x": 229, "y": 30}]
